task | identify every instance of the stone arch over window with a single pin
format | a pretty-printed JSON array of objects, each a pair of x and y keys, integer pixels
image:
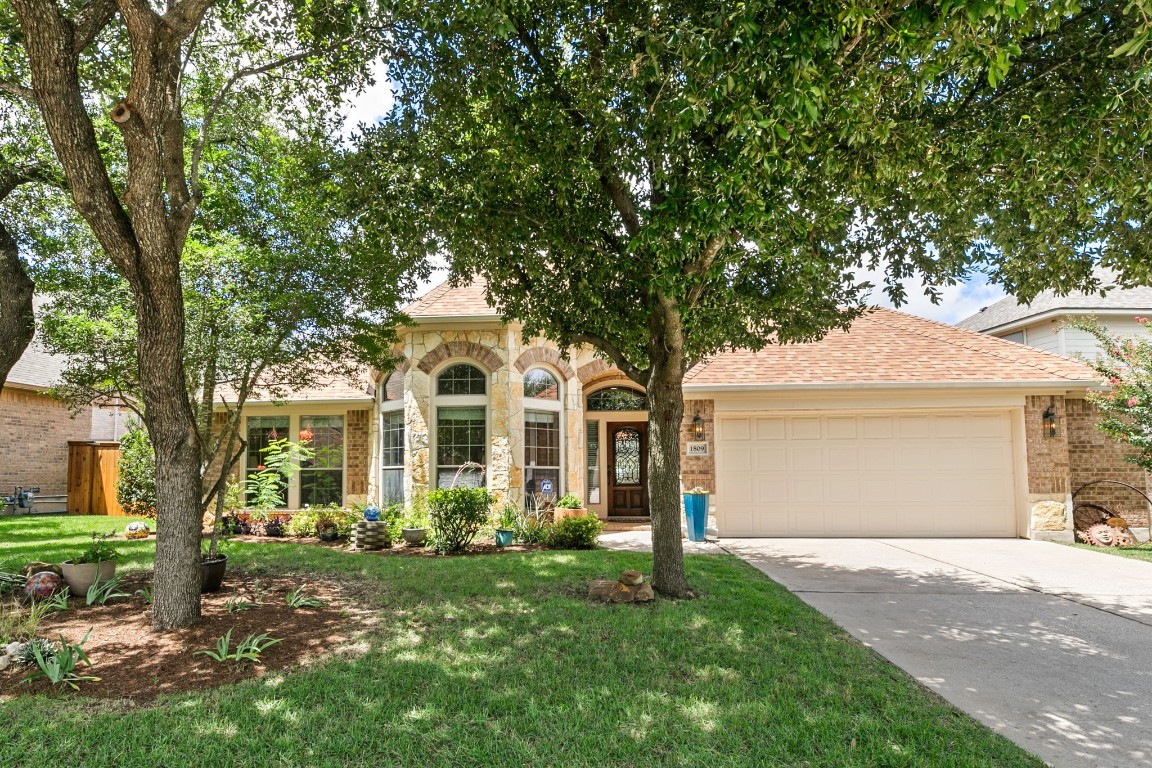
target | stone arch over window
[
  {"x": 470, "y": 349},
  {"x": 598, "y": 370},
  {"x": 536, "y": 355}
]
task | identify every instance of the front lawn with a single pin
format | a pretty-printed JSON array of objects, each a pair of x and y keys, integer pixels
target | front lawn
[
  {"x": 1142, "y": 551},
  {"x": 500, "y": 661}
]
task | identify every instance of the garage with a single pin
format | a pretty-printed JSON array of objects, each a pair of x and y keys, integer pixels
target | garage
[{"x": 881, "y": 473}]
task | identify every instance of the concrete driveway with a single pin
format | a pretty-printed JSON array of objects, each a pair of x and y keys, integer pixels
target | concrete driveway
[{"x": 1049, "y": 645}]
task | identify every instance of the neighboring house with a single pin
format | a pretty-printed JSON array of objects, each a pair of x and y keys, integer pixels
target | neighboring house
[
  {"x": 1041, "y": 324},
  {"x": 900, "y": 427},
  {"x": 35, "y": 428},
  {"x": 1090, "y": 455}
]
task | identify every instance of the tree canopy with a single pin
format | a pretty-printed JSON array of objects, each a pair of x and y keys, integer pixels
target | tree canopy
[{"x": 667, "y": 181}]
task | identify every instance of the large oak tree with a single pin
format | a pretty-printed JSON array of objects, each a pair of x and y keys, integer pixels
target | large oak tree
[
  {"x": 669, "y": 180},
  {"x": 139, "y": 186}
]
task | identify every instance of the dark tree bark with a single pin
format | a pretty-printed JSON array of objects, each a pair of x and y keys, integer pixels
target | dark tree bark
[
  {"x": 143, "y": 236},
  {"x": 17, "y": 320},
  {"x": 665, "y": 387}
]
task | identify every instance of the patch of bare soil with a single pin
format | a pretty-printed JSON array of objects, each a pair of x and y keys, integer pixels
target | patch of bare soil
[{"x": 135, "y": 662}]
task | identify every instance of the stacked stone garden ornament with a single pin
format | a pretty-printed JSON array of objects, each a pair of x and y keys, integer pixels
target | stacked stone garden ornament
[
  {"x": 631, "y": 587},
  {"x": 369, "y": 534}
]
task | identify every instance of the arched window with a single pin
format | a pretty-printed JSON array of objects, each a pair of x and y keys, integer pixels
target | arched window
[
  {"x": 461, "y": 379},
  {"x": 618, "y": 399},
  {"x": 543, "y": 437},
  {"x": 392, "y": 440},
  {"x": 461, "y": 424}
]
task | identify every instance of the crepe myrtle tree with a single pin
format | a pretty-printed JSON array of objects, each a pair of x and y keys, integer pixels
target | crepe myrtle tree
[
  {"x": 666, "y": 181},
  {"x": 1125, "y": 401},
  {"x": 138, "y": 185}
]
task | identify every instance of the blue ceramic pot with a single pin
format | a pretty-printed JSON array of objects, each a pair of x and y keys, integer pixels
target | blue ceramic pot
[
  {"x": 504, "y": 538},
  {"x": 696, "y": 513}
]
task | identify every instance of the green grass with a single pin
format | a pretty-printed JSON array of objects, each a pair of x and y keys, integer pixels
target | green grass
[
  {"x": 500, "y": 661},
  {"x": 1137, "y": 552}
]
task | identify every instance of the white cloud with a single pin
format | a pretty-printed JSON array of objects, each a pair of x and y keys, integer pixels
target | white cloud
[
  {"x": 956, "y": 301},
  {"x": 369, "y": 106}
]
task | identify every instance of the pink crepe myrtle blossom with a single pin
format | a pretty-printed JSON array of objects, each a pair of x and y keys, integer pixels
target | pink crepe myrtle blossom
[{"x": 1132, "y": 401}]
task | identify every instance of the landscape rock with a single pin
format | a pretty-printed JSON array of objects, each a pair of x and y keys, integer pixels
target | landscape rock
[
  {"x": 601, "y": 590},
  {"x": 631, "y": 578},
  {"x": 38, "y": 567},
  {"x": 644, "y": 594},
  {"x": 615, "y": 592},
  {"x": 5, "y": 662}
]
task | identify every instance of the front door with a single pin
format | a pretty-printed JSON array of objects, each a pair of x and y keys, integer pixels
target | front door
[{"x": 628, "y": 469}]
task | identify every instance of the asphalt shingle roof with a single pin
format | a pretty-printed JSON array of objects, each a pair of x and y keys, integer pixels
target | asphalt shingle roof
[
  {"x": 446, "y": 301},
  {"x": 1009, "y": 310},
  {"x": 37, "y": 368}
]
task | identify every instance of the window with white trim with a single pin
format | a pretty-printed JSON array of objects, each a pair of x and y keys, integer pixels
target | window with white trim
[
  {"x": 461, "y": 425},
  {"x": 543, "y": 435},
  {"x": 322, "y": 476}
]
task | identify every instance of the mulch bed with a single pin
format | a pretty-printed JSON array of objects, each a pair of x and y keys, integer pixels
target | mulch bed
[
  {"x": 135, "y": 662},
  {"x": 481, "y": 547}
]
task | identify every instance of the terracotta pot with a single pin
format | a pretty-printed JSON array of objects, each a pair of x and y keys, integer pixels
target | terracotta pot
[
  {"x": 559, "y": 513},
  {"x": 415, "y": 537},
  {"x": 80, "y": 576},
  {"x": 212, "y": 573}
]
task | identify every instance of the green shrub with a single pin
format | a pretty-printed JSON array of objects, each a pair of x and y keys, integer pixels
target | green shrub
[
  {"x": 569, "y": 501},
  {"x": 302, "y": 524},
  {"x": 578, "y": 532},
  {"x": 306, "y": 522},
  {"x": 457, "y": 515},
  {"x": 136, "y": 486},
  {"x": 532, "y": 526}
]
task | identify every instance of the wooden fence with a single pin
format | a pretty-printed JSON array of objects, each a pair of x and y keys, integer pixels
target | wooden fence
[{"x": 93, "y": 468}]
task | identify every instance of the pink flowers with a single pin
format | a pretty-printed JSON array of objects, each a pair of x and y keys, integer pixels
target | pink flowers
[
  {"x": 1142, "y": 320},
  {"x": 1132, "y": 401},
  {"x": 1113, "y": 380}
]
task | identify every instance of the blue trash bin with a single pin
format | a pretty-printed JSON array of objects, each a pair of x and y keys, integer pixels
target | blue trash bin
[{"x": 696, "y": 513}]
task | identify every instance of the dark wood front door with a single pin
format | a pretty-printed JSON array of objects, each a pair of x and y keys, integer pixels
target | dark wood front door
[{"x": 628, "y": 469}]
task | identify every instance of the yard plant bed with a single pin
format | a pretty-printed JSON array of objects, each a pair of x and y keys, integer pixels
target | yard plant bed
[
  {"x": 134, "y": 662},
  {"x": 502, "y": 661},
  {"x": 478, "y": 547}
]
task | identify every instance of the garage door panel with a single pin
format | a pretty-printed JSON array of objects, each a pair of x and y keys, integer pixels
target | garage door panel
[{"x": 877, "y": 474}]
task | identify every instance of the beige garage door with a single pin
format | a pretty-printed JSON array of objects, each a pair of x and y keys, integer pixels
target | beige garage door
[{"x": 875, "y": 474}]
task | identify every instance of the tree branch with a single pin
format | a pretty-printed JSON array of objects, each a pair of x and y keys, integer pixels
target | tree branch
[
  {"x": 638, "y": 375},
  {"x": 22, "y": 92},
  {"x": 699, "y": 268},
  {"x": 90, "y": 21}
]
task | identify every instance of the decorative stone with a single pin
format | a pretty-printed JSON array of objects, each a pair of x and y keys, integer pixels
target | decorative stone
[
  {"x": 38, "y": 567},
  {"x": 644, "y": 593},
  {"x": 12, "y": 648},
  {"x": 615, "y": 592},
  {"x": 5, "y": 662},
  {"x": 1049, "y": 516},
  {"x": 41, "y": 586},
  {"x": 602, "y": 590},
  {"x": 631, "y": 578}
]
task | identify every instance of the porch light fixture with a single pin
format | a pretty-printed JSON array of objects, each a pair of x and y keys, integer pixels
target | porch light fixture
[
  {"x": 697, "y": 427},
  {"x": 1050, "y": 420}
]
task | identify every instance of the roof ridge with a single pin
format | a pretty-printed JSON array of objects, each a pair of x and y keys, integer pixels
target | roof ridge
[{"x": 987, "y": 349}]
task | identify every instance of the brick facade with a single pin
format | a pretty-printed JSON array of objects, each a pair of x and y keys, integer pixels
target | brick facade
[
  {"x": 1094, "y": 456},
  {"x": 34, "y": 434},
  {"x": 698, "y": 470},
  {"x": 356, "y": 454},
  {"x": 1048, "y": 459}
]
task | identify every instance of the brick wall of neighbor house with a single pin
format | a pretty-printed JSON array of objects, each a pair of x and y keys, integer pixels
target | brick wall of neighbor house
[
  {"x": 34, "y": 435},
  {"x": 1048, "y": 466},
  {"x": 698, "y": 470},
  {"x": 1094, "y": 456},
  {"x": 356, "y": 453}
]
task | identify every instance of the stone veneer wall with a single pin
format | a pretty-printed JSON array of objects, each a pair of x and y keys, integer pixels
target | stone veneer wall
[
  {"x": 698, "y": 470},
  {"x": 34, "y": 434},
  {"x": 1095, "y": 456}
]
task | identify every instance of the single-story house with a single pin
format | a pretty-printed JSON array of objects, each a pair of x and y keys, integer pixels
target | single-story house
[
  {"x": 899, "y": 427},
  {"x": 35, "y": 428}
]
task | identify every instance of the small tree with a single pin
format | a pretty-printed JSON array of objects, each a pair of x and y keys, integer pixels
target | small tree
[
  {"x": 136, "y": 486},
  {"x": 1125, "y": 366}
]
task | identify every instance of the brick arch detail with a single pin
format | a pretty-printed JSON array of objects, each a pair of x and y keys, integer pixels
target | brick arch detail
[
  {"x": 548, "y": 355},
  {"x": 598, "y": 370},
  {"x": 394, "y": 381},
  {"x": 470, "y": 349}
]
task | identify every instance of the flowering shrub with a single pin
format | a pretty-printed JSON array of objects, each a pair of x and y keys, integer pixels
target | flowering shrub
[{"x": 1125, "y": 365}]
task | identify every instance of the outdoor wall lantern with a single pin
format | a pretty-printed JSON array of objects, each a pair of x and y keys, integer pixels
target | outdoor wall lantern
[
  {"x": 697, "y": 427},
  {"x": 1050, "y": 420}
]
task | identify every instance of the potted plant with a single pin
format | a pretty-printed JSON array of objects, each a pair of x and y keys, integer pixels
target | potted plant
[
  {"x": 414, "y": 527},
  {"x": 325, "y": 519},
  {"x": 506, "y": 524},
  {"x": 696, "y": 512},
  {"x": 213, "y": 563},
  {"x": 97, "y": 561},
  {"x": 568, "y": 506}
]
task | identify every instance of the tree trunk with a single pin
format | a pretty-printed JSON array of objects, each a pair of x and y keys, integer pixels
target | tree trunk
[
  {"x": 665, "y": 413},
  {"x": 17, "y": 316}
]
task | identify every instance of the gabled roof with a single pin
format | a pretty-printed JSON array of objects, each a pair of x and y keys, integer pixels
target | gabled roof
[
  {"x": 446, "y": 301},
  {"x": 1008, "y": 310},
  {"x": 37, "y": 369},
  {"x": 894, "y": 348}
]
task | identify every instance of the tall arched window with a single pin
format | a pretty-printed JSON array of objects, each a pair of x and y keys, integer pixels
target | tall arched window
[
  {"x": 543, "y": 436},
  {"x": 461, "y": 424},
  {"x": 392, "y": 439}
]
